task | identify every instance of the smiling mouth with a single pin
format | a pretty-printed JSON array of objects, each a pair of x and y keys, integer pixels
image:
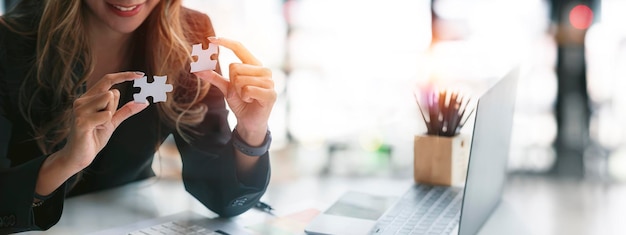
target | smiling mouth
[
  {"x": 122, "y": 8},
  {"x": 125, "y": 10}
]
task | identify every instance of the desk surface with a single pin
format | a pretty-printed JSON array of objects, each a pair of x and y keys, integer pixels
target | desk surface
[{"x": 161, "y": 197}]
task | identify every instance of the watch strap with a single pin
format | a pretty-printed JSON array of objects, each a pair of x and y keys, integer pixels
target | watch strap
[{"x": 245, "y": 148}]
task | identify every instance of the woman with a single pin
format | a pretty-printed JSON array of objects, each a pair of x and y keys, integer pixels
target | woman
[{"x": 75, "y": 129}]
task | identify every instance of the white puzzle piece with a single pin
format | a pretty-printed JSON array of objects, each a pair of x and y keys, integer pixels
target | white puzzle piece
[
  {"x": 157, "y": 89},
  {"x": 204, "y": 61}
]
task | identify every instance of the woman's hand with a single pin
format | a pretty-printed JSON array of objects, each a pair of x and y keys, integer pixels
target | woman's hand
[
  {"x": 249, "y": 92},
  {"x": 95, "y": 117}
]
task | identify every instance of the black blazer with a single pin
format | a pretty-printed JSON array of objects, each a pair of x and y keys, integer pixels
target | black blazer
[{"x": 209, "y": 172}]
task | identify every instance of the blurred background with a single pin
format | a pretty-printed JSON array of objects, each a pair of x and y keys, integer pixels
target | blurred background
[{"x": 346, "y": 72}]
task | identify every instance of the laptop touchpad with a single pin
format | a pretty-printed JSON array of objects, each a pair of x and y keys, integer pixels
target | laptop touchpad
[{"x": 354, "y": 212}]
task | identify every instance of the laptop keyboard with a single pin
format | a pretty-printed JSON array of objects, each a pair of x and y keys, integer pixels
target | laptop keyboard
[
  {"x": 423, "y": 209},
  {"x": 176, "y": 228}
]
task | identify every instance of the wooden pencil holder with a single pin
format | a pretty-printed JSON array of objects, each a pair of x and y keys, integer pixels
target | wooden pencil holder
[{"x": 441, "y": 160}]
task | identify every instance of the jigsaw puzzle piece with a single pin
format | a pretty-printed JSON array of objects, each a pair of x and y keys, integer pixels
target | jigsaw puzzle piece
[
  {"x": 157, "y": 89},
  {"x": 204, "y": 61}
]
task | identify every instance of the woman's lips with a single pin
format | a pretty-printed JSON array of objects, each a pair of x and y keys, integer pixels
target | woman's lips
[{"x": 125, "y": 11}]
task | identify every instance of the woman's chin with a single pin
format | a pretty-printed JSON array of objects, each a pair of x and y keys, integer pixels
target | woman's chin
[{"x": 125, "y": 28}]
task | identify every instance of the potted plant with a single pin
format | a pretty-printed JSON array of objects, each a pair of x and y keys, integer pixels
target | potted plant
[{"x": 441, "y": 154}]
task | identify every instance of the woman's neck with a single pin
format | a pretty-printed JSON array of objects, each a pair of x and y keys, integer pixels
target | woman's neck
[{"x": 111, "y": 52}]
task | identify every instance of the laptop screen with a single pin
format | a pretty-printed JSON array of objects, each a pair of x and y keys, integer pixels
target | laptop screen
[{"x": 489, "y": 153}]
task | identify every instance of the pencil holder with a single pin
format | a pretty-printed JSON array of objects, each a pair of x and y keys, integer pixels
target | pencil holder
[
  {"x": 441, "y": 155},
  {"x": 440, "y": 160}
]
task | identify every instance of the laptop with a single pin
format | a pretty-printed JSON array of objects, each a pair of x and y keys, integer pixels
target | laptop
[{"x": 425, "y": 209}]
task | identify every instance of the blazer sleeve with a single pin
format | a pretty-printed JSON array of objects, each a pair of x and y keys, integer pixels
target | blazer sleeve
[
  {"x": 17, "y": 182},
  {"x": 17, "y": 186},
  {"x": 209, "y": 169}
]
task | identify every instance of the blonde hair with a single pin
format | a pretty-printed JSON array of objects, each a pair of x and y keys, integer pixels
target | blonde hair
[{"x": 64, "y": 61}]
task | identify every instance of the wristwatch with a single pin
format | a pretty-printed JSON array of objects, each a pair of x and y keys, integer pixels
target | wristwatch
[{"x": 245, "y": 148}]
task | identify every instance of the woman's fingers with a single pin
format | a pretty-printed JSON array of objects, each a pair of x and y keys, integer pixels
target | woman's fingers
[
  {"x": 243, "y": 85},
  {"x": 100, "y": 119},
  {"x": 111, "y": 105},
  {"x": 129, "y": 109},
  {"x": 116, "y": 100},
  {"x": 249, "y": 80},
  {"x": 95, "y": 117},
  {"x": 264, "y": 96},
  {"x": 106, "y": 102},
  {"x": 215, "y": 79},
  {"x": 240, "y": 51},
  {"x": 91, "y": 121},
  {"x": 244, "y": 81},
  {"x": 95, "y": 103},
  {"x": 255, "y": 76},
  {"x": 242, "y": 75},
  {"x": 90, "y": 111},
  {"x": 106, "y": 82},
  {"x": 248, "y": 69}
]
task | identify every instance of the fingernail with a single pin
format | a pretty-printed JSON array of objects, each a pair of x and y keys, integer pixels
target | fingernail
[
  {"x": 140, "y": 73},
  {"x": 213, "y": 38}
]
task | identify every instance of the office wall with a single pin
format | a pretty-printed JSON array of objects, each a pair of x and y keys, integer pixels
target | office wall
[
  {"x": 347, "y": 69},
  {"x": 353, "y": 75},
  {"x": 478, "y": 40},
  {"x": 606, "y": 50}
]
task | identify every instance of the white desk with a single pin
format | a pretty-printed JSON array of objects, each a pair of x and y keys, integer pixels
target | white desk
[{"x": 155, "y": 198}]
